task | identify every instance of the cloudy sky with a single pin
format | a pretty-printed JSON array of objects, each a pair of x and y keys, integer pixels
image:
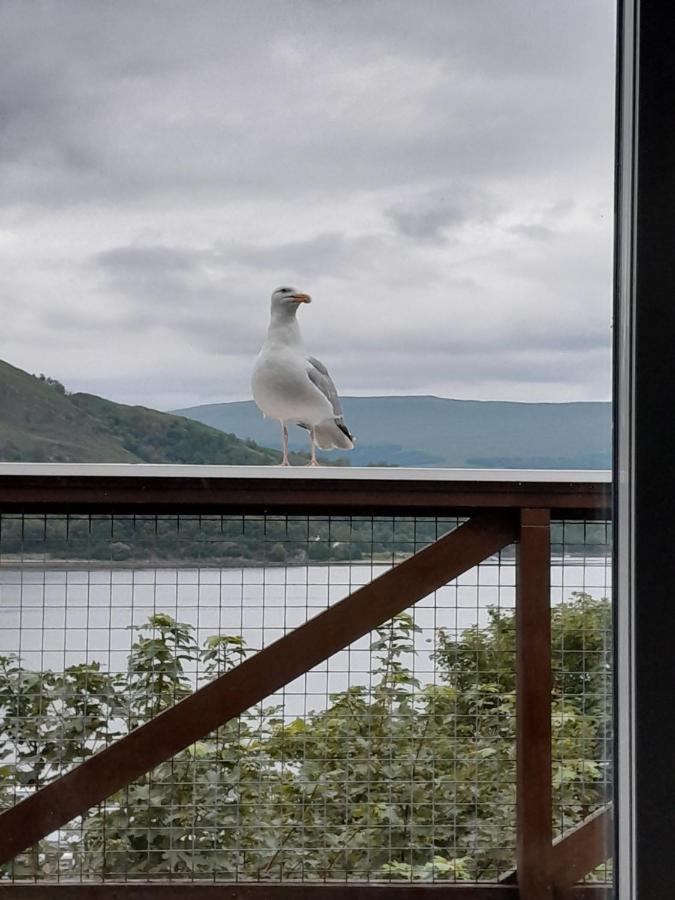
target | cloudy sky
[{"x": 436, "y": 173}]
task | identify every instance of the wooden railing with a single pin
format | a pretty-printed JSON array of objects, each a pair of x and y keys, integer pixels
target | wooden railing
[{"x": 501, "y": 509}]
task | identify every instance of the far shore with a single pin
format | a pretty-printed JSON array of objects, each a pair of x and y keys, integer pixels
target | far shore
[
  {"x": 23, "y": 562},
  {"x": 17, "y": 561}
]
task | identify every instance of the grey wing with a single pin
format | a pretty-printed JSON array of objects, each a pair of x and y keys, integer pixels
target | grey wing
[{"x": 318, "y": 375}]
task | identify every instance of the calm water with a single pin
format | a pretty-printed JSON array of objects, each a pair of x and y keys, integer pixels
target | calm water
[{"x": 56, "y": 617}]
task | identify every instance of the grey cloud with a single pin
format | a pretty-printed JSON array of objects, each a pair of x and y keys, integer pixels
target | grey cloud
[
  {"x": 156, "y": 103},
  {"x": 219, "y": 333},
  {"x": 428, "y": 214},
  {"x": 176, "y": 288},
  {"x": 500, "y": 38},
  {"x": 210, "y": 332},
  {"x": 536, "y": 232},
  {"x": 141, "y": 259},
  {"x": 153, "y": 276},
  {"x": 428, "y": 222},
  {"x": 443, "y": 346},
  {"x": 327, "y": 254},
  {"x": 523, "y": 368},
  {"x": 354, "y": 147}
]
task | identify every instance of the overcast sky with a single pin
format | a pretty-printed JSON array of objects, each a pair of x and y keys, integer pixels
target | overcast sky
[{"x": 436, "y": 173}]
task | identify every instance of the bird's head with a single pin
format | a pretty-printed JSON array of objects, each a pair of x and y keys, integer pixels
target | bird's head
[{"x": 288, "y": 298}]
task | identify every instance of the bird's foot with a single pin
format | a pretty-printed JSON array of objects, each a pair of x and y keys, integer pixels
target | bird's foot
[
  {"x": 284, "y": 464},
  {"x": 313, "y": 462}
]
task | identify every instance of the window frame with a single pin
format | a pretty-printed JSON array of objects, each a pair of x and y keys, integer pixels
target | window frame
[{"x": 644, "y": 449}]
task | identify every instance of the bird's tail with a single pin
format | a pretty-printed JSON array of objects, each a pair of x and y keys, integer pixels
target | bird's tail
[{"x": 333, "y": 434}]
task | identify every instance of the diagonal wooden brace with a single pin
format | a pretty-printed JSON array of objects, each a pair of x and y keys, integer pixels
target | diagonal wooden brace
[
  {"x": 576, "y": 853},
  {"x": 259, "y": 676},
  {"x": 582, "y": 849}
]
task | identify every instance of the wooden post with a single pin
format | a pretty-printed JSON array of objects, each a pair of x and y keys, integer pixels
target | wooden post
[{"x": 533, "y": 706}]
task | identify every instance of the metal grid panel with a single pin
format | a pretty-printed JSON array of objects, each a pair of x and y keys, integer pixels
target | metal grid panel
[
  {"x": 581, "y": 628},
  {"x": 395, "y": 760}
]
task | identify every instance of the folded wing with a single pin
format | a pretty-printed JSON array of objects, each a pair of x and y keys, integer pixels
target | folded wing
[{"x": 331, "y": 433}]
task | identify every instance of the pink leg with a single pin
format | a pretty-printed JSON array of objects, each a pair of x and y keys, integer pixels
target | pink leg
[
  {"x": 313, "y": 461},
  {"x": 284, "y": 441}
]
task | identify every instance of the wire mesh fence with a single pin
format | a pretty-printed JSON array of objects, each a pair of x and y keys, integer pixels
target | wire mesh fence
[
  {"x": 581, "y": 634},
  {"x": 392, "y": 761}
]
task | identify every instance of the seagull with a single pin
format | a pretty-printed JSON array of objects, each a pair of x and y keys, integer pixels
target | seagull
[{"x": 291, "y": 387}]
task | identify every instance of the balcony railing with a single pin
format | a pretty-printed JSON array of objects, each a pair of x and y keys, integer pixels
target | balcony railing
[{"x": 300, "y": 683}]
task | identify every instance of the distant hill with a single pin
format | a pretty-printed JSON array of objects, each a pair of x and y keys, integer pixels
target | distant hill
[
  {"x": 434, "y": 431},
  {"x": 41, "y": 422}
]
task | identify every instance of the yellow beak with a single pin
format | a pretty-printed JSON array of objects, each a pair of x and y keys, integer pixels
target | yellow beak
[{"x": 302, "y": 298}]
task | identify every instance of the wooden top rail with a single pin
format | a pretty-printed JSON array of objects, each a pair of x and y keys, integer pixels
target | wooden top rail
[{"x": 155, "y": 489}]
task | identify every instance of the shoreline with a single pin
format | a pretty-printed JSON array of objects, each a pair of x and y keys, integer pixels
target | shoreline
[
  {"x": 80, "y": 565},
  {"x": 84, "y": 565}
]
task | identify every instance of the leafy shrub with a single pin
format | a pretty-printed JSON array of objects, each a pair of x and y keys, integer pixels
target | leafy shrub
[{"x": 400, "y": 780}]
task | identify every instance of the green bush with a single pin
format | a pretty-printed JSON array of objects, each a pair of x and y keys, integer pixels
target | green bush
[{"x": 399, "y": 780}]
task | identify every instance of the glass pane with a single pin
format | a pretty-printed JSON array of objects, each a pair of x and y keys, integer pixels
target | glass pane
[{"x": 208, "y": 211}]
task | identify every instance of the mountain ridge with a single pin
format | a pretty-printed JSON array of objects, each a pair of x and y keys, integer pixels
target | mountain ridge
[{"x": 426, "y": 430}]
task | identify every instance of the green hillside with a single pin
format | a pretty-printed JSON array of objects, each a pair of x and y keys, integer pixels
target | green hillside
[{"x": 41, "y": 422}]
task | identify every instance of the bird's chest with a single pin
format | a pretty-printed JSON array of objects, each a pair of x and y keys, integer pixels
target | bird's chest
[{"x": 282, "y": 389}]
